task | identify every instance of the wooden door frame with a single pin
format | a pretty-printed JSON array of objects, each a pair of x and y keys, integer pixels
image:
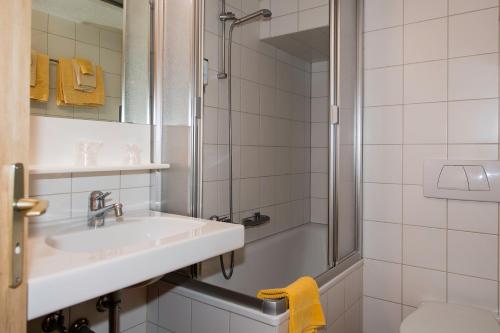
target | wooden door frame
[{"x": 15, "y": 46}]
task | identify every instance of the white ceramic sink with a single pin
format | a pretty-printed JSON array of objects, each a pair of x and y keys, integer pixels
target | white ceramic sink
[
  {"x": 68, "y": 263},
  {"x": 133, "y": 232}
]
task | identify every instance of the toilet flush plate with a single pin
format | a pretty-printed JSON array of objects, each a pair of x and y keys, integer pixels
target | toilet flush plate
[{"x": 462, "y": 180}]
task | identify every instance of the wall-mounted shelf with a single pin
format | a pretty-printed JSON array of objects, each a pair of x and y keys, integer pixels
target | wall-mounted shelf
[{"x": 52, "y": 169}]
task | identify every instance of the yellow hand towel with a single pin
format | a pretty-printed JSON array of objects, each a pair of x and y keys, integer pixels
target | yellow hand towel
[
  {"x": 40, "y": 92},
  {"x": 306, "y": 313},
  {"x": 33, "y": 69},
  {"x": 68, "y": 95},
  {"x": 86, "y": 67},
  {"x": 81, "y": 81}
]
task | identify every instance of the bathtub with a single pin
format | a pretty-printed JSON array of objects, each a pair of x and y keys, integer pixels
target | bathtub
[{"x": 271, "y": 262}]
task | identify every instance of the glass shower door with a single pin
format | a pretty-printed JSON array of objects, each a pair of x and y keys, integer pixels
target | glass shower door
[{"x": 344, "y": 133}]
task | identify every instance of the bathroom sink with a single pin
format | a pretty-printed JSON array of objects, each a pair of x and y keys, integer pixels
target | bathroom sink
[
  {"x": 132, "y": 232},
  {"x": 85, "y": 263}
]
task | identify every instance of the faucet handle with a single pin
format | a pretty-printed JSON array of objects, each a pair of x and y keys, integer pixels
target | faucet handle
[{"x": 102, "y": 196}]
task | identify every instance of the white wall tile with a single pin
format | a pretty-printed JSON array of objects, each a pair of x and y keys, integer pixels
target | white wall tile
[
  {"x": 314, "y": 18},
  {"x": 383, "y": 125},
  {"x": 319, "y": 185},
  {"x": 420, "y": 10},
  {"x": 283, "y": 25},
  {"x": 39, "y": 20},
  {"x": 382, "y": 202},
  {"x": 319, "y": 210},
  {"x": 319, "y": 84},
  {"x": 381, "y": 316},
  {"x": 82, "y": 182},
  {"x": 426, "y": 41},
  {"x": 474, "y": 33},
  {"x": 111, "y": 40},
  {"x": 473, "y": 254},
  {"x": 422, "y": 211},
  {"x": 353, "y": 288},
  {"x": 50, "y": 184},
  {"x": 60, "y": 47},
  {"x": 473, "y": 216},
  {"x": 242, "y": 324},
  {"x": 383, "y": 14},
  {"x": 250, "y": 161},
  {"x": 133, "y": 308},
  {"x": 382, "y": 280},
  {"x": 382, "y": 241},
  {"x": 336, "y": 302},
  {"x": 207, "y": 318},
  {"x": 414, "y": 157},
  {"x": 175, "y": 311},
  {"x": 135, "y": 198},
  {"x": 382, "y": 163},
  {"x": 383, "y": 48},
  {"x": 473, "y": 121},
  {"x": 59, "y": 208},
  {"x": 135, "y": 179},
  {"x": 423, "y": 285},
  {"x": 424, "y": 247},
  {"x": 425, "y": 82},
  {"x": 425, "y": 123},
  {"x": 473, "y": 77},
  {"x": 61, "y": 27},
  {"x": 283, "y": 7},
  {"x": 87, "y": 33},
  {"x": 473, "y": 152},
  {"x": 473, "y": 291},
  {"x": 384, "y": 86},
  {"x": 461, "y": 6}
]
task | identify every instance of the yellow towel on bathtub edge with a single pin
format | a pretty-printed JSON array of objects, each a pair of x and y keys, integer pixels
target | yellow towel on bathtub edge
[
  {"x": 306, "y": 313},
  {"x": 40, "y": 92},
  {"x": 68, "y": 95}
]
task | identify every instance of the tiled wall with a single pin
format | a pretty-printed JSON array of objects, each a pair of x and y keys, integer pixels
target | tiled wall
[
  {"x": 319, "y": 142},
  {"x": 60, "y": 38},
  {"x": 271, "y": 128},
  {"x": 172, "y": 310},
  {"x": 291, "y": 16},
  {"x": 68, "y": 193},
  {"x": 431, "y": 92}
]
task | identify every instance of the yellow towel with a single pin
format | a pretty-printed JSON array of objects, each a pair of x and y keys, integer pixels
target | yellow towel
[
  {"x": 306, "y": 313},
  {"x": 83, "y": 82},
  {"x": 40, "y": 92},
  {"x": 33, "y": 68},
  {"x": 68, "y": 95},
  {"x": 86, "y": 67}
]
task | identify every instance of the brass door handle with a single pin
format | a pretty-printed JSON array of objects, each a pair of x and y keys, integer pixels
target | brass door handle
[
  {"x": 31, "y": 207},
  {"x": 21, "y": 207}
]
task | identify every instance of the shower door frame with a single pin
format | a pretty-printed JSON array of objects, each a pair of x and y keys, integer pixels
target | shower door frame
[{"x": 333, "y": 252}]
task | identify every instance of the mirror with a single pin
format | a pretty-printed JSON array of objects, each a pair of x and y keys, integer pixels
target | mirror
[{"x": 98, "y": 54}]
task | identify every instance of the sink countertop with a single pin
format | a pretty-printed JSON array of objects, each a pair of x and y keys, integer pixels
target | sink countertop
[{"x": 58, "y": 278}]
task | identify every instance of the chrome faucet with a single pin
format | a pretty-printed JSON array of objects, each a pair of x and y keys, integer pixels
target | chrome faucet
[{"x": 97, "y": 210}]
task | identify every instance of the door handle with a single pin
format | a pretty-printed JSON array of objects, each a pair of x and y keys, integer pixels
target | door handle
[
  {"x": 32, "y": 207},
  {"x": 21, "y": 207}
]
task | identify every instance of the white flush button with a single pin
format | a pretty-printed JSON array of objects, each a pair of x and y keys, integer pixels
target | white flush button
[
  {"x": 478, "y": 180},
  {"x": 453, "y": 177}
]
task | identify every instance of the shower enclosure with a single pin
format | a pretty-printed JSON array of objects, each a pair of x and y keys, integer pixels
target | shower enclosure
[{"x": 289, "y": 140}]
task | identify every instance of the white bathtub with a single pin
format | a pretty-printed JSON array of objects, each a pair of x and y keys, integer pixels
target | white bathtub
[
  {"x": 267, "y": 263},
  {"x": 273, "y": 262}
]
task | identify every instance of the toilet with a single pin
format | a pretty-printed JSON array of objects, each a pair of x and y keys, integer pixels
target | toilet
[{"x": 432, "y": 317}]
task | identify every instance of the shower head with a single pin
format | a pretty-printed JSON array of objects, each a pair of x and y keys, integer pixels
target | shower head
[{"x": 263, "y": 12}]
